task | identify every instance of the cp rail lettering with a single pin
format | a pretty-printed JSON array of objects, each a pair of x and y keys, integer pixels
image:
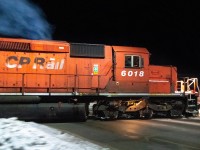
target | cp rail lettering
[{"x": 38, "y": 63}]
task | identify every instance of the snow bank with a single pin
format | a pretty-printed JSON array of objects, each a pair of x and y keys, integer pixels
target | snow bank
[{"x": 16, "y": 134}]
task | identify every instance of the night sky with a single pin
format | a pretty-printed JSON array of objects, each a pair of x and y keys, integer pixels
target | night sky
[{"x": 170, "y": 30}]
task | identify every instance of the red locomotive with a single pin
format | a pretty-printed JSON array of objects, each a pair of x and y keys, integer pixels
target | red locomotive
[{"x": 57, "y": 79}]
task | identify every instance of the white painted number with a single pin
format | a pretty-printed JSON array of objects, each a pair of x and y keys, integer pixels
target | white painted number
[
  {"x": 141, "y": 74},
  {"x": 123, "y": 73},
  {"x": 131, "y": 73}
]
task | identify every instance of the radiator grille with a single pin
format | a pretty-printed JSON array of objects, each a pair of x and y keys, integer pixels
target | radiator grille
[
  {"x": 86, "y": 50},
  {"x": 5, "y": 45}
]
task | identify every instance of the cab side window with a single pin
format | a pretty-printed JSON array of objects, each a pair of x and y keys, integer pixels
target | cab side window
[{"x": 133, "y": 61}]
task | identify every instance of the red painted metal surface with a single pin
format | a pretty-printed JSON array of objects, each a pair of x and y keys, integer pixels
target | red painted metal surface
[{"x": 37, "y": 66}]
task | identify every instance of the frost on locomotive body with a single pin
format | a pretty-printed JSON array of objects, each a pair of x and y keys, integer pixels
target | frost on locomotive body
[{"x": 118, "y": 78}]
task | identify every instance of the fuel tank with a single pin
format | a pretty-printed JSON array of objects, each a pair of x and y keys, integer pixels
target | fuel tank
[{"x": 30, "y": 108}]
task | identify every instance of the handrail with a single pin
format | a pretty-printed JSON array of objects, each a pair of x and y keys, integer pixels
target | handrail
[{"x": 189, "y": 85}]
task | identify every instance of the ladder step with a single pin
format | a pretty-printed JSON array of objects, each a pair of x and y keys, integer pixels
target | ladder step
[
  {"x": 191, "y": 99},
  {"x": 192, "y": 105}
]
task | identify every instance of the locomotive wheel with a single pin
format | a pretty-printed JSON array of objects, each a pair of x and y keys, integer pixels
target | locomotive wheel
[
  {"x": 98, "y": 114},
  {"x": 146, "y": 113},
  {"x": 104, "y": 114},
  {"x": 175, "y": 113}
]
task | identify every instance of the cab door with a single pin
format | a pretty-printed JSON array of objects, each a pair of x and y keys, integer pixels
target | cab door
[{"x": 131, "y": 71}]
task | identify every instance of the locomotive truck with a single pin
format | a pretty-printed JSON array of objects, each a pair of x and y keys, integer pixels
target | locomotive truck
[{"x": 59, "y": 80}]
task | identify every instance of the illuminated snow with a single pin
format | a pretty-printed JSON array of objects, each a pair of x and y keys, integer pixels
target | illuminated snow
[{"x": 16, "y": 134}]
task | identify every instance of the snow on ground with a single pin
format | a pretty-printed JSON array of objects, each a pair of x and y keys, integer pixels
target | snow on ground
[{"x": 19, "y": 135}]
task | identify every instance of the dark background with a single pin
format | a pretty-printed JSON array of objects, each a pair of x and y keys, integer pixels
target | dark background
[{"x": 170, "y": 30}]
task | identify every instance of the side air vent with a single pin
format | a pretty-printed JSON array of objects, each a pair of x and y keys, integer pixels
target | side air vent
[
  {"x": 87, "y": 50},
  {"x": 5, "y": 45}
]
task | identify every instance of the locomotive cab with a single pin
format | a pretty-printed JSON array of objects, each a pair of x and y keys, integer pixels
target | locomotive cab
[
  {"x": 131, "y": 69},
  {"x": 142, "y": 89}
]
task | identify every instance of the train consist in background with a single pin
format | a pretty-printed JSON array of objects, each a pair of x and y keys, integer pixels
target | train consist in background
[{"x": 59, "y": 80}]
